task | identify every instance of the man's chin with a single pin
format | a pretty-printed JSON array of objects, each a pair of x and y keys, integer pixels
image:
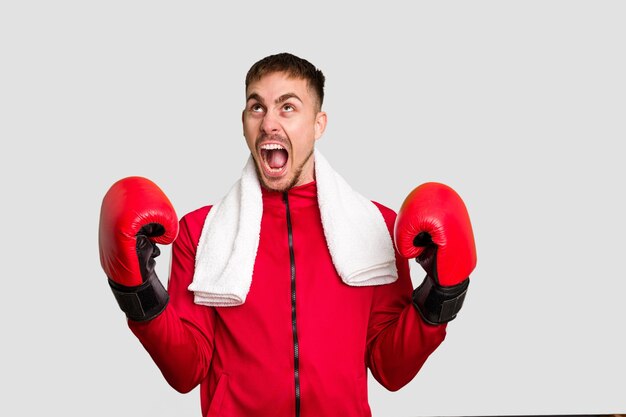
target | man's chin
[
  {"x": 279, "y": 185},
  {"x": 273, "y": 183}
]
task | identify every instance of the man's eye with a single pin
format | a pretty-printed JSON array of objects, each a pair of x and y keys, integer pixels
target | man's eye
[
  {"x": 256, "y": 108},
  {"x": 288, "y": 107}
]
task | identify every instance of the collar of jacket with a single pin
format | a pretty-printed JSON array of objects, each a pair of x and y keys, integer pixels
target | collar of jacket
[{"x": 304, "y": 195}]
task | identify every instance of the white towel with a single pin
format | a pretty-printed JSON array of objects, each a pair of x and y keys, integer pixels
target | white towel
[{"x": 357, "y": 236}]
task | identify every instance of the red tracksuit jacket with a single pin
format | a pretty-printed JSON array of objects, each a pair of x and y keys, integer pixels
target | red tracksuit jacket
[{"x": 303, "y": 340}]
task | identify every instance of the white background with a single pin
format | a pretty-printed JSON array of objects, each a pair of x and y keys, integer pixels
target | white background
[{"x": 520, "y": 106}]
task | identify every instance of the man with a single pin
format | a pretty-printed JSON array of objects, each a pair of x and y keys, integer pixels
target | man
[{"x": 283, "y": 294}]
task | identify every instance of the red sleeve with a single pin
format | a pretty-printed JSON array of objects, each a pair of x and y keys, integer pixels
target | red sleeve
[
  {"x": 398, "y": 340},
  {"x": 180, "y": 340}
]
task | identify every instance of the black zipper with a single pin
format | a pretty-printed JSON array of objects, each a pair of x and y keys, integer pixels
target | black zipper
[{"x": 294, "y": 329}]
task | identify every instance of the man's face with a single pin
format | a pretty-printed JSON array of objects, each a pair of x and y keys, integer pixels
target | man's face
[{"x": 281, "y": 124}]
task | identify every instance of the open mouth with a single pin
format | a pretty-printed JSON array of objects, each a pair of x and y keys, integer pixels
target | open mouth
[{"x": 274, "y": 158}]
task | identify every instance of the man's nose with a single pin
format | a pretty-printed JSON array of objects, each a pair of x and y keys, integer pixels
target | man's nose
[{"x": 270, "y": 123}]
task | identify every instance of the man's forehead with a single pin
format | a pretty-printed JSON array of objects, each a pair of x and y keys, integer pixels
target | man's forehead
[{"x": 293, "y": 81}]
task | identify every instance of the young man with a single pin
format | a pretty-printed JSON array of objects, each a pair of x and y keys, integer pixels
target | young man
[{"x": 283, "y": 294}]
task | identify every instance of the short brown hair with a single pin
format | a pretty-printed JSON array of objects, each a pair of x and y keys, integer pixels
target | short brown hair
[{"x": 294, "y": 67}]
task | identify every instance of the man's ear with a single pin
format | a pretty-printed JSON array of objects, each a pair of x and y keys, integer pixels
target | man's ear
[{"x": 320, "y": 124}]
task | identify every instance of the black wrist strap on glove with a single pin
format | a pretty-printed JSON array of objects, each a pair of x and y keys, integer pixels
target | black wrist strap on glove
[
  {"x": 143, "y": 302},
  {"x": 146, "y": 301},
  {"x": 437, "y": 304}
]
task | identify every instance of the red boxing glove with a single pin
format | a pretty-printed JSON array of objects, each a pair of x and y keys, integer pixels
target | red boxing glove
[
  {"x": 135, "y": 215},
  {"x": 433, "y": 227}
]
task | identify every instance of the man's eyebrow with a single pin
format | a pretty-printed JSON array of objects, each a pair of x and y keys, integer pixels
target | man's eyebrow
[
  {"x": 286, "y": 97},
  {"x": 255, "y": 96},
  {"x": 281, "y": 99}
]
